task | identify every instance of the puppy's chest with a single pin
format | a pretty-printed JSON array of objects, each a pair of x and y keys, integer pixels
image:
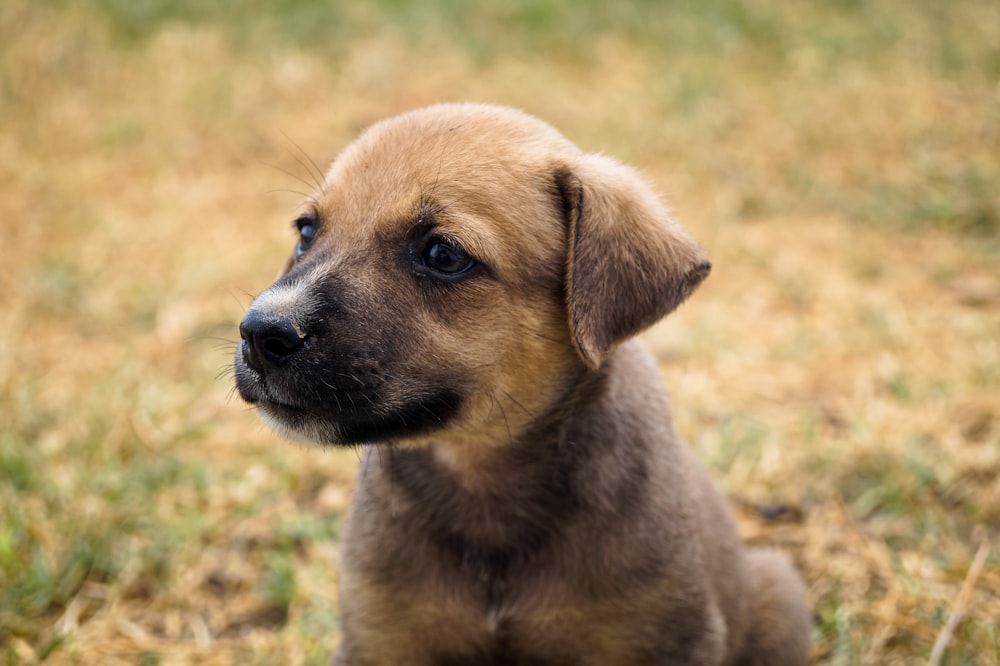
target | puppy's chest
[
  {"x": 512, "y": 629},
  {"x": 502, "y": 588},
  {"x": 434, "y": 610},
  {"x": 463, "y": 600}
]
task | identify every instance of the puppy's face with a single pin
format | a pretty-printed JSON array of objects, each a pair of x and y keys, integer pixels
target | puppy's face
[{"x": 442, "y": 287}]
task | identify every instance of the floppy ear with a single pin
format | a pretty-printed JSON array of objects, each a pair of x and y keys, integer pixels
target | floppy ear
[{"x": 629, "y": 262}]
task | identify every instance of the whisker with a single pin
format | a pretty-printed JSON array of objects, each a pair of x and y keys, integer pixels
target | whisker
[
  {"x": 510, "y": 438},
  {"x": 286, "y": 190},
  {"x": 236, "y": 298},
  {"x": 561, "y": 343},
  {"x": 315, "y": 171},
  {"x": 522, "y": 407},
  {"x": 442, "y": 206},
  {"x": 216, "y": 338},
  {"x": 224, "y": 372},
  {"x": 230, "y": 393},
  {"x": 290, "y": 174},
  {"x": 435, "y": 415}
]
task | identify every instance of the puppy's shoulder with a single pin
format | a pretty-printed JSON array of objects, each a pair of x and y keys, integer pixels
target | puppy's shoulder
[{"x": 635, "y": 380}]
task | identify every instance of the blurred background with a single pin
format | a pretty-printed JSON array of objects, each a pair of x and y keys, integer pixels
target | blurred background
[{"x": 839, "y": 371}]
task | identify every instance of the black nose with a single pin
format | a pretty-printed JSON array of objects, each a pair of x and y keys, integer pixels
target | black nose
[{"x": 268, "y": 340}]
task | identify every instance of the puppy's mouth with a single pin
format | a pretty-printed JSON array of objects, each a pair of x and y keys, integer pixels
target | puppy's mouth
[
  {"x": 270, "y": 405},
  {"x": 330, "y": 406},
  {"x": 416, "y": 418},
  {"x": 407, "y": 421}
]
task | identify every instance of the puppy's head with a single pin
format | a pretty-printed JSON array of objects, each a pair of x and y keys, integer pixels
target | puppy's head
[{"x": 462, "y": 267}]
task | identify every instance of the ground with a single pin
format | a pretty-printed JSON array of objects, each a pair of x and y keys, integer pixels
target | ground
[{"x": 839, "y": 372}]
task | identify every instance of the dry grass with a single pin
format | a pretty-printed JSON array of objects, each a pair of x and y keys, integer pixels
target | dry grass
[{"x": 840, "y": 371}]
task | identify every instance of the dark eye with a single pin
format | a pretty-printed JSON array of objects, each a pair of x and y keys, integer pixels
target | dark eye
[
  {"x": 445, "y": 258},
  {"x": 307, "y": 232}
]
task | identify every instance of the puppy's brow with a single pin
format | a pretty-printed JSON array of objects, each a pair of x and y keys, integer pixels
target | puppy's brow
[
  {"x": 426, "y": 215},
  {"x": 428, "y": 221},
  {"x": 308, "y": 214},
  {"x": 309, "y": 210},
  {"x": 427, "y": 209}
]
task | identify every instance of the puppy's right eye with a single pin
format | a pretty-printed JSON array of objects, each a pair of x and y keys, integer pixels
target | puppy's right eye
[
  {"x": 446, "y": 259},
  {"x": 307, "y": 233}
]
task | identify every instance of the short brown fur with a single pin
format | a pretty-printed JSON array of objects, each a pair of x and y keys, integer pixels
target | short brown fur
[{"x": 526, "y": 500}]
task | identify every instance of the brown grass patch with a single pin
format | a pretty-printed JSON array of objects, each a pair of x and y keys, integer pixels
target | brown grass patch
[{"x": 840, "y": 371}]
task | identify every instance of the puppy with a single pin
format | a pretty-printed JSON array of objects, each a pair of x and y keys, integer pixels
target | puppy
[{"x": 462, "y": 297}]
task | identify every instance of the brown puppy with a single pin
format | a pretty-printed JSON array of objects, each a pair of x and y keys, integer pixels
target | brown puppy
[{"x": 461, "y": 296}]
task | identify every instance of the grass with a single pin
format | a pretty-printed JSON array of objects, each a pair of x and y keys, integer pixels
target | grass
[{"x": 840, "y": 371}]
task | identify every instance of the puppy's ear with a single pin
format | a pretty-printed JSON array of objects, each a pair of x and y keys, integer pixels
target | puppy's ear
[{"x": 629, "y": 262}]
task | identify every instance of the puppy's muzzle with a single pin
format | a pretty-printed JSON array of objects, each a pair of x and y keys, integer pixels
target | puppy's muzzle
[
  {"x": 269, "y": 340},
  {"x": 330, "y": 379}
]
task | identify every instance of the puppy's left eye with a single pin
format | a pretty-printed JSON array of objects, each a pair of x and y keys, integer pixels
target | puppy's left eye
[
  {"x": 307, "y": 233},
  {"x": 443, "y": 257}
]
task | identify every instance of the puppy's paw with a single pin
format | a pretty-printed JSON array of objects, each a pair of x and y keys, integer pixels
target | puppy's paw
[{"x": 780, "y": 617}]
